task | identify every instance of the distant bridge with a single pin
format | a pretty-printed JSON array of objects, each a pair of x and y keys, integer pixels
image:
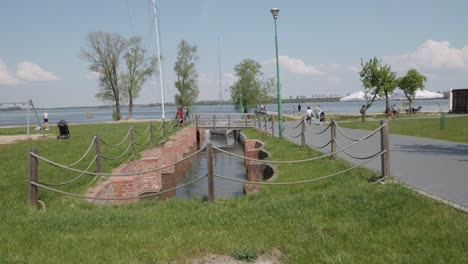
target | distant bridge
[{"x": 233, "y": 121}]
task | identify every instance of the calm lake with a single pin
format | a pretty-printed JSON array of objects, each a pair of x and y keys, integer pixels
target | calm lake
[{"x": 78, "y": 115}]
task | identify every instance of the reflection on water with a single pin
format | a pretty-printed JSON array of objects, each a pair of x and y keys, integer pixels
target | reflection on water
[{"x": 223, "y": 165}]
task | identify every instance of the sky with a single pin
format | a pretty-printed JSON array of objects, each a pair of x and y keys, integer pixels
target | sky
[{"x": 320, "y": 43}]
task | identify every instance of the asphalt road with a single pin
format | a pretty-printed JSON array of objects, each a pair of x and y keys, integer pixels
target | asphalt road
[{"x": 436, "y": 167}]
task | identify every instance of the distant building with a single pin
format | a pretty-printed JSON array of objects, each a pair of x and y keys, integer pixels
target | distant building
[{"x": 458, "y": 101}]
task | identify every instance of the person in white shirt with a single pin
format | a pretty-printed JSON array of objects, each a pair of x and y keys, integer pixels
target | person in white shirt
[
  {"x": 46, "y": 120},
  {"x": 309, "y": 115},
  {"x": 317, "y": 114}
]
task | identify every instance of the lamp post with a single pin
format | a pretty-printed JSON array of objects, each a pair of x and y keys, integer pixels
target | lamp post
[{"x": 275, "y": 12}]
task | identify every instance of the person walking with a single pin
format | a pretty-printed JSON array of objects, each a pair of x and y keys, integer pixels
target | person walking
[
  {"x": 317, "y": 113},
  {"x": 299, "y": 108},
  {"x": 46, "y": 120},
  {"x": 309, "y": 115}
]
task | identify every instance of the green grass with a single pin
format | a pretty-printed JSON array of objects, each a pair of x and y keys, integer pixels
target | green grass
[
  {"x": 456, "y": 128},
  {"x": 342, "y": 219}
]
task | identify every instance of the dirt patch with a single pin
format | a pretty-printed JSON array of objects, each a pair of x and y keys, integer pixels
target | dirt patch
[
  {"x": 9, "y": 139},
  {"x": 274, "y": 257}
]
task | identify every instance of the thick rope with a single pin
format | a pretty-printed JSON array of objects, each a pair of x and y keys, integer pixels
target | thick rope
[
  {"x": 300, "y": 134},
  {"x": 146, "y": 142},
  {"x": 144, "y": 132},
  {"x": 297, "y": 182},
  {"x": 120, "y": 199},
  {"x": 354, "y": 157},
  {"x": 108, "y": 174},
  {"x": 118, "y": 157},
  {"x": 287, "y": 124},
  {"x": 84, "y": 155},
  {"x": 72, "y": 180},
  {"x": 116, "y": 145},
  {"x": 298, "y": 161},
  {"x": 318, "y": 133},
  {"x": 344, "y": 134},
  {"x": 317, "y": 147}
]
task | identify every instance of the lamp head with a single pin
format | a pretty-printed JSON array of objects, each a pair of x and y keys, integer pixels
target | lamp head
[{"x": 275, "y": 12}]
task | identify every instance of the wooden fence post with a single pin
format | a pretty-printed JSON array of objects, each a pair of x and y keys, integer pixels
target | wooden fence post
[
  {"x": 209, "y": 150},
  {"x": 97, "y": 151},
  {"x": 385, "y": 145},
  {"x": 33, "y": 171},
  {"x": 152, "y": 134},
  {"x": 265, "y": 124},
  {"x": 303, "y": 132},
  {"x": 255, "y": 121},
  {"x": 332, "y": 139},
  {"x": 259, "y": 123},
  {"x": 214, "y": 121},
  {"x": 273, "y": 127},
  {"x": 132, "y": 139}
]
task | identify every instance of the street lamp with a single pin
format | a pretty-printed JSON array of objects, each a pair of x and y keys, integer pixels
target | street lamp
[{"x": 275, "y": 12}]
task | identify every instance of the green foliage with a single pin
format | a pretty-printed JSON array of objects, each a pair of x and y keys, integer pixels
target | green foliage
[
  {"x": 187, "y": 76},
  {"x": 140, "y": 66},
  {"x": 378, "y": 80},
  {"x": 410, "y": 83},
  {"x": 250, "y": 89},
  {"x": 104, "y": 53},
  {"x": 244, "y": 254}
]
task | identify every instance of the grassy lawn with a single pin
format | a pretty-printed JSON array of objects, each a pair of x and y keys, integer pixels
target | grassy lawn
[
  {"x": 341, "y": 219},
  {"x": 456, "y": 128}
]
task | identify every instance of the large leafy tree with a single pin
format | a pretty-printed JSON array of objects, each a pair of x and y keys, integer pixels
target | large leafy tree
[
  {"x": 410, "y": 83},
  {"x": 378, "y": 81},
  {"x": 251, "y": 88},
  {"x": 187, "y": 76},
  {"x": 140, "y": 66},
  {"x": 104, "y": 53}
]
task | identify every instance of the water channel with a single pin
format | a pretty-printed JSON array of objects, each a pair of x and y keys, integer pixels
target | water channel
[{"x": 223, "y": 165}]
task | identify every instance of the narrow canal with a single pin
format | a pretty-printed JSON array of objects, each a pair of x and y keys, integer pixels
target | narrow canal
[{"x": 223, "y": 165}]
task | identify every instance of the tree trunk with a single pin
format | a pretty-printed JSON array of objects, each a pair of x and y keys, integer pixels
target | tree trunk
[
  {"x": 410, "y": 106},
  {"x": 387, "y": 103},
  {"x": 117, "y": 111},
  {"x": 363, "y": 117},
  {"x": 130, "y": 108}
]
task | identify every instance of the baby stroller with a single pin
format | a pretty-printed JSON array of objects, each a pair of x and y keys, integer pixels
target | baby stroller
[
  {"x": 322, "y": 117},
  {"x": 63, "y": 128}
]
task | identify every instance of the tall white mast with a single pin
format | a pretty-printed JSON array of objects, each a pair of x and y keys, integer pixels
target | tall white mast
[
  {"x": 159, "y": 60},
  {"x": 219, "y": 71}
]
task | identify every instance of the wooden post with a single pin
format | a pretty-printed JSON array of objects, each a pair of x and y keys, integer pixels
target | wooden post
[
  {"x": 265, "y": 124},
  {"x": 209, "y": 150},
  {"x": 273, "y": 127},
  {"x": 164, "y": 127},
  {"x": 332, "y": 139},
  {"x": 385, "y": 145},
  {"x": 132, "y": 139},
  {"x": 33, "y": 171},
  {"x": 259, "y": 123},
  {"x": 229, "y": 121},
  {"x": 196, "y": 122},
  {"x": 255, "y": 121},
  {"x": 303, "y": 132},
  {"x": 214, "y": 121},
  {"x": 152, "y": 134},
  {"x": 97, "y": 151}
]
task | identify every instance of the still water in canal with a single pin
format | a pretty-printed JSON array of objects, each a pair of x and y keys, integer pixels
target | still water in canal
[{"x": 223, "y": 164}]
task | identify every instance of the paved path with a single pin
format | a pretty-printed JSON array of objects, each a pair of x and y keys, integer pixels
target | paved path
[{"x": 439, "y": 168}]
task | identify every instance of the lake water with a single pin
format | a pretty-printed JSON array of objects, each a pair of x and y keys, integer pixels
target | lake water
[{"x": 78, "y": 115}]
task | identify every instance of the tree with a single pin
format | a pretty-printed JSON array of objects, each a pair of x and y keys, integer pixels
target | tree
[
  {"x": 378, "y": 81},
  {"x": 410, "y": 83},
  {"x": 250, "y": 89},
  {"x": 104, "y": 53},
  {"x": 139, "y": 67},
  {"x": 187, "y": 76}
]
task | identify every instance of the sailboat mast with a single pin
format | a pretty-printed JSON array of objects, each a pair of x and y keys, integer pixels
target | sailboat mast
[
  {"x": 163, "y": 116},
  {"x": 219, "y": 71}
]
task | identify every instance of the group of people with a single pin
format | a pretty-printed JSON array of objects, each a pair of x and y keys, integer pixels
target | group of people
[
  {"x": 317, "y": 112},
  {"x": 182, "y": 115}
]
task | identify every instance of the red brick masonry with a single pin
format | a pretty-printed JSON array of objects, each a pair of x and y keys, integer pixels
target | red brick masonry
[{"x": 174, "y": 149}]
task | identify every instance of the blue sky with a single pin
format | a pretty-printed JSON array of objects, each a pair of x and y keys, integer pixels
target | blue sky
[{"x": 321, "y": 43}]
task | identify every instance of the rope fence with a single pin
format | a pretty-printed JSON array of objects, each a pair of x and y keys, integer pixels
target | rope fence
[{"x": 34, "y": 159}]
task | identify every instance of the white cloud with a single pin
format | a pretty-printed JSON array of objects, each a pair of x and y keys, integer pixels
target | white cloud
[
  {"x": 32, "y": 72},
  {"x": 93, "y": 75},
  {"x": 6, "y": 78},
  {"x": 431, "y": 55},
  {"x": 297, "y": 66},
  {"x": 355, "y": 69},
  {"x": 229, "y": 79}
]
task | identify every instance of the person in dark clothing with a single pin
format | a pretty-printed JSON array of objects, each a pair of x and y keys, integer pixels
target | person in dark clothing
[{"x": 299, "y": 108}]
